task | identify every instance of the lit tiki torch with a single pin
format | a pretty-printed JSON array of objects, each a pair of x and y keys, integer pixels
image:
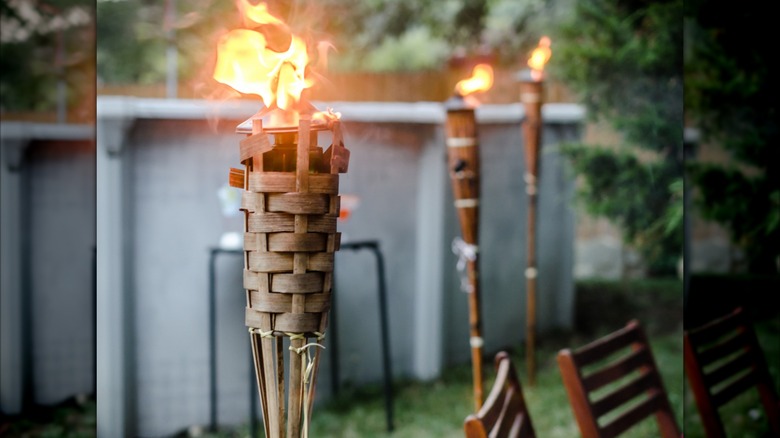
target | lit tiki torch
[
  {"x": 463, "y": 164},
  {"x": 291, "y": 206},
  {"x": 531, "y": 86}
]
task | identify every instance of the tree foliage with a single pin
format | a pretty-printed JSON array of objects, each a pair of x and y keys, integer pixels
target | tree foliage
[
  {"x": 43, "y": 44},
  {"x": 624, "y": 60},
  {"x": 732, "y": 97},
  {"x": 407, "y": 35},
  {"x": 133, "y": 37},
  {"x": 367, "y": 35}
]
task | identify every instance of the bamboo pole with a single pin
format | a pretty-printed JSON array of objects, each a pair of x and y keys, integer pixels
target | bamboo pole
[
  {"x": 259, "y": 344},
  {"x": 338, "y": 161},
  {"x": 300, "y": 262},
  {"x": 531, "y": 97},
  {"x": 463, "y": 164}
]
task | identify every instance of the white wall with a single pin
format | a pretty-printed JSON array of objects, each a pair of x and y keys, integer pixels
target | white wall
[
  {"x": 47, "y": 344},
  {"x": 175, "y": 163}
]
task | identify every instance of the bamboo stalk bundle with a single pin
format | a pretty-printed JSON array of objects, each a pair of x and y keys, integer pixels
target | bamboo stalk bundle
[
  {"x": 291, "y": 206},
  {"x": 464, "y": 165},
  {"x": 531, "y": 97}
]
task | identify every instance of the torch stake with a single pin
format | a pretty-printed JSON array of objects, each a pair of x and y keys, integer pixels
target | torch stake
[
  {"x": 463, "y": 158},
  {"x": 531, "y": 97}
]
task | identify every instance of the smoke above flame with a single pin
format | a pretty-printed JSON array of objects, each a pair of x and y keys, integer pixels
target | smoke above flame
[
  {"x": 251, "y": 63},
  {"x": 326, "y": 117},
  {"x": 481, "y": 80}
]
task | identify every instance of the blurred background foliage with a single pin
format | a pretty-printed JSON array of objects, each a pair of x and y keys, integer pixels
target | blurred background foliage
[
  {"x": 367, "y": 35},
  {"x": 47, "y": 57},
  {"x": 731, "y": 95},
  {"x": 623, "y": 59}
]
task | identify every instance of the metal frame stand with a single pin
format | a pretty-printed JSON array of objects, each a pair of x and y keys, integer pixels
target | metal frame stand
[
  {"x": 94, "y": 320},
  {"x": 371, "y": 245},
  {"x": 213, "y": 253}
]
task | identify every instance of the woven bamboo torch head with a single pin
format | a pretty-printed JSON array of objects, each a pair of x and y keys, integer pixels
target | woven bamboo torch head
[{"x": 291, "y": 205}]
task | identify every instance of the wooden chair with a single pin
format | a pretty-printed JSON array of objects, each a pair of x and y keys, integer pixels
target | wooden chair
[
  {"x": 606, "y": 361},
  {"x": 723, "y": 359},
  {"x": 504, "y": 413}
]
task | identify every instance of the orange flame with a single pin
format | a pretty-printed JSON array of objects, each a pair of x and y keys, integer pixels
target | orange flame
[
  {"x": 258, "y": 14},
  {"x": 539, "y": 58},
  {"x": 481, "y": 80},
  {"x": 247, "y": 64}
]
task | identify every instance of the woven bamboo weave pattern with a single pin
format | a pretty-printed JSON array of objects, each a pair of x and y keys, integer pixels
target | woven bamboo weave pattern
[{"x": 291, "y": 206}]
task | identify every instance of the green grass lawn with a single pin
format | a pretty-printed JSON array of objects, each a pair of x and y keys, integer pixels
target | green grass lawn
[
  {"x": 75, "y": 418},
  {"x": 438, "y": 408}
]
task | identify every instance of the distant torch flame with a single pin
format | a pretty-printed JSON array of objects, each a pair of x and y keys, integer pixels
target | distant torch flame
[
  {"x": 248, "y": 65},
  {"x": 539, "y": 58},
  {"x": 481, "y": 80}
]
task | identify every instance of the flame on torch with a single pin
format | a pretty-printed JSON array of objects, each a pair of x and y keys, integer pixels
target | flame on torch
[
  {"x": 246, "y": 62},
  {"x": 481, "y": 80},
  {"x": 539, "y": 58},
  {"x": 258, "y": 14}
]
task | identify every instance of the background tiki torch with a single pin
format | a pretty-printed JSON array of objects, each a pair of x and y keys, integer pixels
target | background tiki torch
[
  {"x": 291, "y": 206},
  {"x": 531, "y": 89},
  {"x": 463, "y": 165}
]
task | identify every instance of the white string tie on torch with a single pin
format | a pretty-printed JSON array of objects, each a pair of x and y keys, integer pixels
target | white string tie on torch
[
  {"x": 307, "y": 365},
  {"x": 529, "y": 97},
  {"x": 467, "y": 203},
  {"x": 466, "y": 252},
  {"x": 461, "y": 142},
  {"x": 257, "y": 331},
  {"x": 530, "y": 181}
]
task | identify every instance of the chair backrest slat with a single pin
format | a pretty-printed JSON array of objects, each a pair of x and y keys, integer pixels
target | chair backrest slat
[
  {"x": 511, "y": 406},
  {"x": 735, "y": 388},
  {"x": 723, "y": 360},
  {"x": 618, "y": 397},
  {"x": 714, "y": 330},
  {"x": 733, "y": 367},
  {"x": 722, "y": 349},
  {"x": 617, "y": 369},
  {"x": 496, "y": 399},
  {"x": 622, "y": 359},
  {"x": 603, "y": 347},
  {"x": 504, "y": 413},
  {"x": 522, "y": 427},
  {"x": 632, "y": 416}
]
